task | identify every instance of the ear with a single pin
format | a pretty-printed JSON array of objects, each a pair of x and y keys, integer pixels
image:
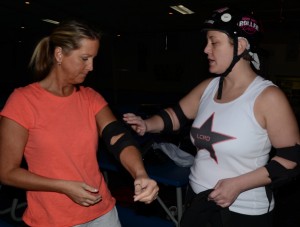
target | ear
[
  {"x": 242, "y": 45},
  {"x": 58, "y": 54}
]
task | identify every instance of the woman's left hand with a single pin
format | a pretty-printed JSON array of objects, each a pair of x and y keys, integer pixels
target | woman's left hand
[
  {"x": 145, "y": 190},
  {"x": 225, "y": 192}
]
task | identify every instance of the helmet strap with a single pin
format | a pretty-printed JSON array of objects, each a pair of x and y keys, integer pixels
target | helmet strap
[{"x": 235, "y": 59}]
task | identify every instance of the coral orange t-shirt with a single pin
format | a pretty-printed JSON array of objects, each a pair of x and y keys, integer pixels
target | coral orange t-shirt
[{"x": 62, "y": 144}]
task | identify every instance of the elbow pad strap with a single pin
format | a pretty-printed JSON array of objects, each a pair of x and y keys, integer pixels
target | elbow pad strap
[
  {"x": 290, "y": 153},
  {"x": 168, "y": 125},
  {"x": 275, "y": 170},
  {"x": 279, "y": 174},
  {"x": 183, "y": 120},
  {"x": 116, "y": 128}
]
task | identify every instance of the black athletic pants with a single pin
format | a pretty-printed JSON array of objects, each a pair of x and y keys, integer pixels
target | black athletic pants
[{"x": 199, "y": 212}]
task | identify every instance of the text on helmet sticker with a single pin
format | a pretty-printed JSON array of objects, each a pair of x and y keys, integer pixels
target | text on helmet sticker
[{"x": 248, "y": 25}]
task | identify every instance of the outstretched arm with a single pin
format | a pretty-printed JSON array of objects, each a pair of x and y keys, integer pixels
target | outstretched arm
[
  {"x": 120, "y": 143},
  {"x": 154, "y": 124},
  {"x": 169, "y": 119}
]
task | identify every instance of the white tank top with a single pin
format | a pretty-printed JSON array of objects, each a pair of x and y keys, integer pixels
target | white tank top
[{"x": 230, "y": 142}]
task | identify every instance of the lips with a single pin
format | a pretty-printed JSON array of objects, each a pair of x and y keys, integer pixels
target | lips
[{"x": 210, "y": 61}]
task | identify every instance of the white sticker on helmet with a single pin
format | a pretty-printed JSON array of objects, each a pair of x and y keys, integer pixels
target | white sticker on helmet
[{"x": 226, "y": 17}]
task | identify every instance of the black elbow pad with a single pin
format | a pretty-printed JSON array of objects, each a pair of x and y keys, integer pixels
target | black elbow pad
[
  {"x": 116, "y": 128},
  {"x": 280, "y": 175},
  {"x": 183, "y": 120},
  {"x": 168, "y": 125}
]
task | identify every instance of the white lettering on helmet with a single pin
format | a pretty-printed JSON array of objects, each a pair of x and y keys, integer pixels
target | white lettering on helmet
[{"x": 248, "y": 25}]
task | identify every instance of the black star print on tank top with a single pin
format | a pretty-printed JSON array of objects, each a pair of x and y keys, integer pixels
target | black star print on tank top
[{"x": 205, "y": 137}]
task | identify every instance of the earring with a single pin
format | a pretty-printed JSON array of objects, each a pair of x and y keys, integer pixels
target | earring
[{"x": 59, "y": 62}]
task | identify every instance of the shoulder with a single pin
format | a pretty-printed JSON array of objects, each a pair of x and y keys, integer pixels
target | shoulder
[
  {"x": 272, "y": 100},
  {"x": 26, "y": 89},
  {"x": 29, "y": 92},
  {"x": 89, "y": 92},
  {"x": 94, "y": 98},
  {"x": 190, "y": 102},
  {"x": 272, "y": 95},
  {"x": 21, "y": 93},
  {"x": 273, "y": 109},
  {"x": 200, "y": 88},
  {"x": 197, "y": 92}
]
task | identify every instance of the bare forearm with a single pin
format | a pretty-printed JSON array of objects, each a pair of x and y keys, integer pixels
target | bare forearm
[
  {"x": 154, "y": 124},
  {"x": 227, "y": 190},
  {"x": 24, "y": 179},
  {"x": 254, "y": 179},
  {"x": 132, "y": 161}
]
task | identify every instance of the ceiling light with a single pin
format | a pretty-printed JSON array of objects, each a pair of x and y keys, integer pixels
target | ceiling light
[
  {"x": 50, "y": 21},
  {"x": 182, "y": 9}
]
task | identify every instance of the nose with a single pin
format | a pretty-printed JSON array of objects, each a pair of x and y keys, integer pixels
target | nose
[
  {"x": 90, "y": 65},
  {"x": 207, "y": 48}
]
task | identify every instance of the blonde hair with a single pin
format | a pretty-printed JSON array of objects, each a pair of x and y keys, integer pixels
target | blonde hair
[{"x": 68, "y": 36}]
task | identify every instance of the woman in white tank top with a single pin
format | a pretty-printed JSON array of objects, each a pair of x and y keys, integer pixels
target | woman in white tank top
[{"x": 238, "y": 117}]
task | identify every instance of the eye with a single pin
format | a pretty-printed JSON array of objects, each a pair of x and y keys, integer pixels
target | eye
[{"x": 84, "y": 58}]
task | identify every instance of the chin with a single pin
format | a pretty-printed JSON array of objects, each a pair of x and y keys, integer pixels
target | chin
[
  {"x": 81, "y": 79},
  {"x": 213, "y": 71},
  {"x": 217, "y": 72}
]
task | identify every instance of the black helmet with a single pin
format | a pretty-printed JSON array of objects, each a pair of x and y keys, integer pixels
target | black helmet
[{"x": 235, "y": 24}]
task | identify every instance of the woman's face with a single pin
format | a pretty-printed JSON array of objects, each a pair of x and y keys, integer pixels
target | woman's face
[
  {"x": 219, "y": 51},
  {"x": 78, "y": 63}
]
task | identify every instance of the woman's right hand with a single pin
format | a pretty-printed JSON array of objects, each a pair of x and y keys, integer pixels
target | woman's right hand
[
  {"x": 136, "y": 123},
  {"x": 81, "y": 193}
]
